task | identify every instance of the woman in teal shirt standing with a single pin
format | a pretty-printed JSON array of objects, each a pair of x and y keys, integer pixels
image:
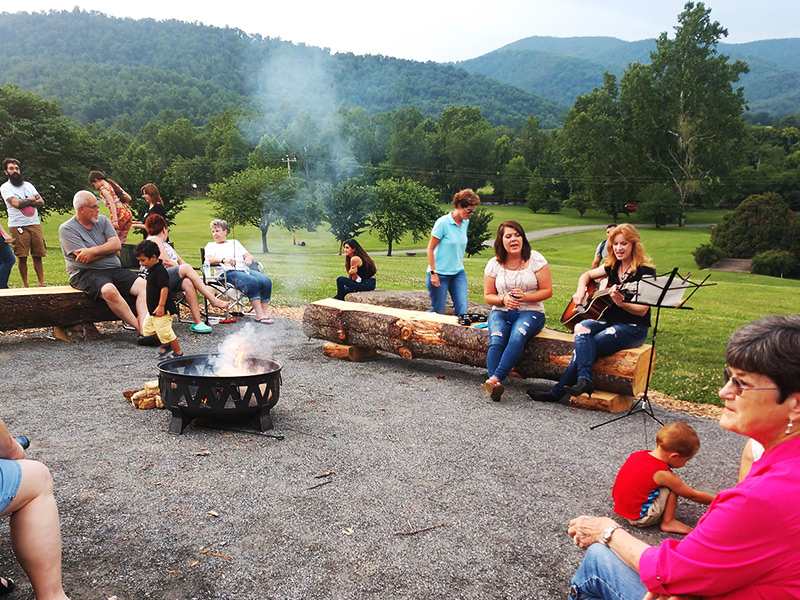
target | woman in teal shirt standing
[{"x": 446, "y": 254}]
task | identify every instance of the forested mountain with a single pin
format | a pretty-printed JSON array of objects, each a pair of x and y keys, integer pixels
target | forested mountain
[
  {"x": 560, "y": 69},
  {"x": 102, "y": 69}
]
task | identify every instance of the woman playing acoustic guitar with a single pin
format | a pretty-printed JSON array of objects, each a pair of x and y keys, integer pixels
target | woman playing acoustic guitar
[{"x": 622, "y": 325}]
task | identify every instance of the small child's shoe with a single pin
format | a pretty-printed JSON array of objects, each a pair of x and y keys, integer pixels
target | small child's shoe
[{"x": 164, "y": 352}]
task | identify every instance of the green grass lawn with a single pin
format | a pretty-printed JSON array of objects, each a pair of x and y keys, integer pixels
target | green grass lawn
[{"x": 691, "y": 343}]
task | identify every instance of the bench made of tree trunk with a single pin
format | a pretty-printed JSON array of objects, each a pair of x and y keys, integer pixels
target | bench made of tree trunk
[
  {"x": 69, "y": 311},
  {"x": 415, "y": 334},
  {"x": 410, "y": 300}
]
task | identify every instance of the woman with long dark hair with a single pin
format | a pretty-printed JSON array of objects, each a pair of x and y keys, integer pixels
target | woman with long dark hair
[
  {"x": 515, "y": 282},
  {"x": 360, "y": 271},
  {"x": 155, "y": 206},
  {"x": 116, "y": 200},
  {"x": 622, "y": 325}
]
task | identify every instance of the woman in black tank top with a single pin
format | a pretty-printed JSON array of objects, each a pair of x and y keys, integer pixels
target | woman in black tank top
[{"x": 360, "y": 271}]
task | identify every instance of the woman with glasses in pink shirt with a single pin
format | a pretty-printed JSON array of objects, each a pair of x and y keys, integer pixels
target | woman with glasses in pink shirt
[{"x": 746, "y": 544}]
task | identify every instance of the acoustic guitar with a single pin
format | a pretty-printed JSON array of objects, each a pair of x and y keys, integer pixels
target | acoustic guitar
[{"x": 598, "y": 300}]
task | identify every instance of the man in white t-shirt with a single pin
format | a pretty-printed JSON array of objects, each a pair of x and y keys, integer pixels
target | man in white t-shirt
[{"x": 23, "y": 203}]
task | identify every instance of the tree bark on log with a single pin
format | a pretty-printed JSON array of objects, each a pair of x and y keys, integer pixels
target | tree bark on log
[
  {"x": 413, "y": 334},
  {"x": 57, "y": 306},
  {"x": 410, "y": 300}
]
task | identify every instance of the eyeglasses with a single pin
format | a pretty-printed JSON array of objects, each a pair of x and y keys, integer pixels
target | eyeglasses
[
  {"x": 738, "y": 387},
  {"x": 92, "y": 206},
  {"x": 470, "y": 211}
]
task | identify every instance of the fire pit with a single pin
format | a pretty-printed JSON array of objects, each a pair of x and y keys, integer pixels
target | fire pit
[{"x": 204, "y": 387}]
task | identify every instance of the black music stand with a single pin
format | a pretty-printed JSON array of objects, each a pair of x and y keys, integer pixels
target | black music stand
[{"x": 664, "y": 291}]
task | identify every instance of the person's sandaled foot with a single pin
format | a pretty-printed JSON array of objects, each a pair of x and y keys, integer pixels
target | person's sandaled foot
[
  {"x": 7, "y": 586},
  {"x": 266, "y": 321},
  {"x": 495, "y": 390},
  {"x": 200, "y": 328},
  {"x": 217, "y": 303},
  {"x": 163, "y": 352}
]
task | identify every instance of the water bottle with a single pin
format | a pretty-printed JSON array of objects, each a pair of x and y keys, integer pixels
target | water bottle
[{"x": 207, "y": 269}]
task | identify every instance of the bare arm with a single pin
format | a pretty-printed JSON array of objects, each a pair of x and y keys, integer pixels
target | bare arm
[
  {"x": 747, "y": 460},
  {"x": 680, "y": 487},
  {"x": 583, "y": 283},
  {"x": 168, "y": 262},
  {"x": 595, "y": 262},
  {"x": 432, "y": 243},
  {"x": 490, "y": 294},
  {"x": 162, "y": 302},
  {"x": 112, "y": 206},
  {"x": 5, "y": 235},
  {"x": 355, "y": 262},
  {"x": 92, "y": 253},
  {"x": 9, "y": 447}
]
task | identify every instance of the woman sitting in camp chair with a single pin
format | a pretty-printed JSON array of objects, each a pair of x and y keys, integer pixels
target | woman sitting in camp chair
[{"x": 235, "y": 261}]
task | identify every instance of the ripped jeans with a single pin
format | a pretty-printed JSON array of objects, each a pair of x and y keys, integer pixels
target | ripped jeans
[
  {"x": 603, "y": 339},
  {"x": 509, "y": 331}
]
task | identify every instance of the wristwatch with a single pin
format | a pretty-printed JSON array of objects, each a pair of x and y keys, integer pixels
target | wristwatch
[
  {"x": 432, "y": 272},
  {"x": 609, "y": 532}
]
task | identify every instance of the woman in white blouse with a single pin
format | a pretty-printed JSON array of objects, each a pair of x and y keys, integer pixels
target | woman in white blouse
[{"x": 515, "y": 282}]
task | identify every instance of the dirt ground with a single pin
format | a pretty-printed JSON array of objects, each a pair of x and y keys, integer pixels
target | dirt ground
[{"x": 368, "y": 452}]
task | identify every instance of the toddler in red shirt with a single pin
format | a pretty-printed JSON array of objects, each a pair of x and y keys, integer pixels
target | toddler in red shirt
[{"x": 646, "y": 490}]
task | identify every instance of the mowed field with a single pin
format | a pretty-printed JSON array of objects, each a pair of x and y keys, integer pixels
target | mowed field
[{"x": 691, "y": 343}]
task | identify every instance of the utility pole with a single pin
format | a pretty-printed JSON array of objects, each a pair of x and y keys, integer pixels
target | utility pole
[{"x": 289, "y": 162}]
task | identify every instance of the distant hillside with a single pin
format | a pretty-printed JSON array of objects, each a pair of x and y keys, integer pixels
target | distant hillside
[
  {"x": 560, "y": 69},
  {"x": 102, "y": 68}
]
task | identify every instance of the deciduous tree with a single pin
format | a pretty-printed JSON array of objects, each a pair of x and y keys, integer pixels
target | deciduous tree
[{"x": 403, "y": 206}]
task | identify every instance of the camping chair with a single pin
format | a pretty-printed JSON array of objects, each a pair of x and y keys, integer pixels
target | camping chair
[{"x": 226, "y": 290}]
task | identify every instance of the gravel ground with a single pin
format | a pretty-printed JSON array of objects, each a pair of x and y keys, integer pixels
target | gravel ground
[{"x": 411, "y": 444}]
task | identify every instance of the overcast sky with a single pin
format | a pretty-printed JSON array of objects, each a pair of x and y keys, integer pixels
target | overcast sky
[{"x": 448, "y": 30}]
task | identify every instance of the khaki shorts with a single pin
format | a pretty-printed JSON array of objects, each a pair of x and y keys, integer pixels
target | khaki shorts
[
  {"x": 29, "y": 241},
  {"x": 654, "y": 511},
  {"x": 161, "y": 326}
]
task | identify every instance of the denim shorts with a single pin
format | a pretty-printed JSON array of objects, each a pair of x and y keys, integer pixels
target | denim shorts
[{"x": 10, "y": 478}]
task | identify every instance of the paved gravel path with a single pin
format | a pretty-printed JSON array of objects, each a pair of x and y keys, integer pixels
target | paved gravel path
[{"x": 412, "y": 444}]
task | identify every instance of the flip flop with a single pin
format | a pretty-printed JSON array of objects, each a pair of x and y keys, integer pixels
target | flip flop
[
  {"x": 266, "y": 321},
  {"x": 7, "y": 585}
]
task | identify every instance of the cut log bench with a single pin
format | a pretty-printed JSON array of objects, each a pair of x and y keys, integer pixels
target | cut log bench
[
  {"x": 68, "y": 311},
  {"x": 358, "y": 329}
]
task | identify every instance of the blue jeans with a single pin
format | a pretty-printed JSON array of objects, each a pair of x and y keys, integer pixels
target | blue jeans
[
  {"x": 457, "y": 285},
  {"x": 603, "y": 576},
  {"x": 255, "y": 285},
  {"x": 345, "y": 285},
  {"x": 603, "y": 339},
  {"x": 7, "y": 261},
  {"x": 509, "y": 331}
]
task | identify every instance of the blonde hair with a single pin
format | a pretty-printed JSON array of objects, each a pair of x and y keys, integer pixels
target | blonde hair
[
  {"x": 638, "y": 256},
  {"x": 678, "y": 437}
]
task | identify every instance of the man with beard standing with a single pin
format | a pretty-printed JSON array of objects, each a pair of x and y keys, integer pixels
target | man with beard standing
[
  {"x": 23, "y": 202},
  {"x": 90, "y": 246}
]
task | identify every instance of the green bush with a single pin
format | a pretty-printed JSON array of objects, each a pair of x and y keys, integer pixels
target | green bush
[
  {"x": 706, "y": 255},
  {"x": 776, "y": 263}
]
